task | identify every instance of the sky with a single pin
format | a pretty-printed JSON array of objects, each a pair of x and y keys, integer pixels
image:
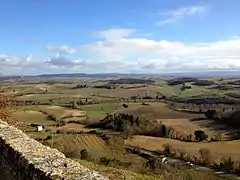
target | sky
[{"x": 121, "y": 36}]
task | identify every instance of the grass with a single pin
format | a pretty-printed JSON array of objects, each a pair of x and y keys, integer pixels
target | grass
[
  {"x": 42, "y": 135},
  {"x": 187, "y": 126},
  {"x": 32, "y": 117},
  {"x": 157, "y": 110},
  {"x": 100, "y": 110},
  {"x": 33, "y": 114},
  {"x": 117, "y": 173},
  {"x": 31, "y": 108},
  {"x": 171, "y": 174}
]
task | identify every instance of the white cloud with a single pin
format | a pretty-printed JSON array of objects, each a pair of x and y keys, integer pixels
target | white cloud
[
  {"x": 63, "y": 62},
  {"x": 114, "y": 33},
  {"x": 64, "y": 49},
  {"x": 151, "y": 55},
  {"x": 128, "y": 54},
  {"x": 35, "y": 65},
  {"x": 181, "y": 13}
]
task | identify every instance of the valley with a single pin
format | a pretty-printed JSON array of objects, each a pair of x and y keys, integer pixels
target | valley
[{"x": 94, "y": 120}]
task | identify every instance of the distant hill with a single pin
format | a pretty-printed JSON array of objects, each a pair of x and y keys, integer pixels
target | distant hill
[{"x": 206, "y": 74}]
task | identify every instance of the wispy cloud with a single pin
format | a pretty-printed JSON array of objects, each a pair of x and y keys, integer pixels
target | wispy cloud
[
  {"x": 114, "y": 33},
  {"x": 63, "y": 62},
  {"x": 64, "y": 49},
  {"x": 179, "y": 14}
]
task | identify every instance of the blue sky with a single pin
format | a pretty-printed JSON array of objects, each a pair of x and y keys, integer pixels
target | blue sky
[{"x": 52, "y": 36}]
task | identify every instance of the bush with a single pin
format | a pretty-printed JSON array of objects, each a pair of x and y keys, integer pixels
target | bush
[
  {"x": 184, "y": 87},
  {"x": 105, "y": 161},
  {"x": 48, "y": 138},
  {"x": 84, "y": 154},
  {"x": 206, "y": 157},
  {"x": 211, "y": 114},
  {"x": 154, "y": 163},
  {"x": 167, "y": 150},
  {"x": 237, "y": 168},
  {"x": 164, "y": 131},
  {"x": 228, "y": 163},
  {"x": 200, "y": 135}
]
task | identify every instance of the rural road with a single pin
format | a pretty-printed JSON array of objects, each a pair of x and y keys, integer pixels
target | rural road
[{"x": 178, "y": 162}]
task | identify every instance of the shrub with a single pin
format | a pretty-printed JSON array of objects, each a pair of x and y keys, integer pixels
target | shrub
[
  {"x": 84, "y": 154},
  {"x": 48, "y": 138},
  {"x": 206, "y": 157},
  {"x": 184, "y": 87},
  {"x": 105, "y": 160},
  {"x": 154, "y": 163},
  {"x": 164, "y": 131},
  {"x": 167, "y": 150},
  {"x": 228, "y": 163},
  {"x": 200, "y": 135},
  {"x": 182, "y": 155},
  {"x": 211, "y": 114},
  {"x": 237, "y": 168}
]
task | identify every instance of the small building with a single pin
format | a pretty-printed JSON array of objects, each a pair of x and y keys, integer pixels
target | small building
[{"x": 39, "y": 128}]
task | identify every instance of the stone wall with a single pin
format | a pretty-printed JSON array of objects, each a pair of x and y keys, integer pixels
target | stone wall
[{"x": 23, "y": 158}]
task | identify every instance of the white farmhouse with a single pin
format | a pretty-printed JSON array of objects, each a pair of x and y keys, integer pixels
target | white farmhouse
[{"x": 39, "y": 128}]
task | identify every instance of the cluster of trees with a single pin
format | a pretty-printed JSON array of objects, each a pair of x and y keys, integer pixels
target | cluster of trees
[
  {"x": 129, "y": 124},
  {"x": 132, "y": 81},
  {"x": 52, "y": 82},
  {"x": 237, "y": 82},
  {"x": 222, "y": 87},
  {"x": 205, "y": 158},
  {"x": 184, "y": 87},
  {"x": 24, "y": 103},
  {"x": 76, "y": 103},
  {"x": 141, "y": 97},
  {"x": 234, "y": 95},
  {"x": 133, "y": 87},
  {"x": 120, "y": 122},
  {"x": 178, "y": 81},
  {"x": 195, "y": 81},
  {"x": 228, "y": 117},
  {"x": 205, "y": 100},
  {"x": 199, "y": 82},
  {"x": 157, "y": 97},
  {"x": 198, "y": 136},
  {"x": 80, "y": 86},
  {"x": 107, "y": 86},
  {"x": 212, "y": 111}
]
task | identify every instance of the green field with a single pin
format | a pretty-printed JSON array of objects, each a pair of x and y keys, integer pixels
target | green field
[{"x": 100, "y": 110}]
